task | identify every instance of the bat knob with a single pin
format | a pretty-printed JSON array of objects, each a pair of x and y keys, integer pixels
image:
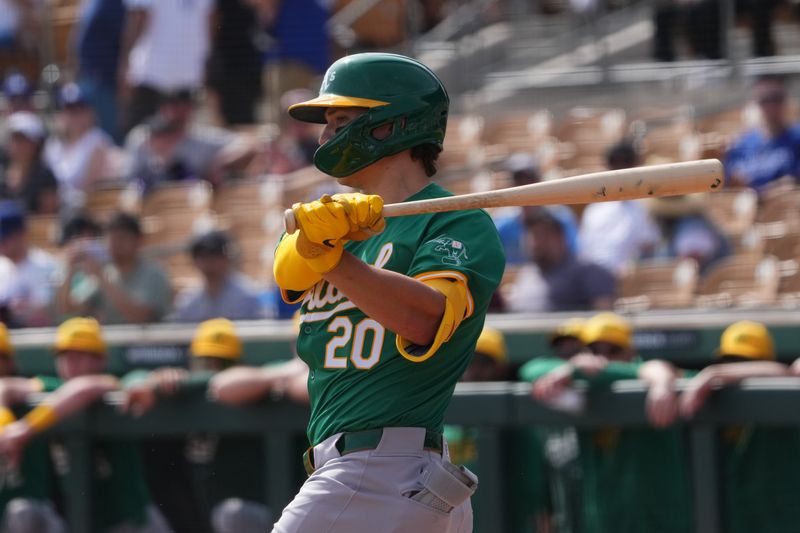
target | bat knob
[{"x": 289, "y": 222}]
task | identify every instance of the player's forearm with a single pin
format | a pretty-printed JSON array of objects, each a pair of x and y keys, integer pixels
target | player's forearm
[
  {"x": 401, "y": 304},
  {"x": 69, "y": 399},
  {"x": 722, "y": 374},
  {"x": 14, "y": 390},
  {"x": 658, "y": 373}
]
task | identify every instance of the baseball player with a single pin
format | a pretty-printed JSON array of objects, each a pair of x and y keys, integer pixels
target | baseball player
[
  {"x": 121, "y": 501},
  {"x": 230, "y": 466},
  {"x": 24, "y": 489},
  {"x": 635, "y": 479},
  {"x": 566, "y": 339},
  {"x": 391, "y": 309},
  {"x": 760, "y": 471}
]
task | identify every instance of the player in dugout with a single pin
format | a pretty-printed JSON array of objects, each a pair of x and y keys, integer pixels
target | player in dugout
[
  {"x": 27, "y": 486},
  {"x": 528, "y": 492},
  {"x": 645, "y": 467},
  {"x": 229, "y": 466},
  {"x": 390, "y": 309},
  {"x": 566, "y": 339},
  {"x": 121, "y": 501},
  {"x": 760, "y": 470}
]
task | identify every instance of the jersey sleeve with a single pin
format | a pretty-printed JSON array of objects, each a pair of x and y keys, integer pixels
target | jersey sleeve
[
  {"x": 536, "y": 368},
  {"x": 463, "y": 247}
]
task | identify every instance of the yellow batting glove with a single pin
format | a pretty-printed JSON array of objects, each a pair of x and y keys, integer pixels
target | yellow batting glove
[
  {"x": 365, "y": 213},
  {"x": 322, "y": 221},
  {"x": 6, "y": 417}
]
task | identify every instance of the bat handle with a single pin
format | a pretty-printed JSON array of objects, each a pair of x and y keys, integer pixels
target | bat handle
[{"x": 289, "y": 222}]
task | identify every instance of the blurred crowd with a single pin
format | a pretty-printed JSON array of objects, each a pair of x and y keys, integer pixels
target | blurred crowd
[{"x": 559, "y": 258}]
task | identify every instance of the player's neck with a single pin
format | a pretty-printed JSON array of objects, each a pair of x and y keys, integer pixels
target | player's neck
[{"x": 395, "y": 178}]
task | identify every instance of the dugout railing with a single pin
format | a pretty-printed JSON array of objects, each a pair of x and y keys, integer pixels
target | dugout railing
[{"x": 495, "y": 408}]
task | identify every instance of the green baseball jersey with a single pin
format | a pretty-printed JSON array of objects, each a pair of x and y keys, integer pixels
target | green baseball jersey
[
  {"x": 761, "y": 479},
  {"x": 358, "y": 379},
  {"x": 32, "y": 478},
  {"x": 633, "y": 479}
]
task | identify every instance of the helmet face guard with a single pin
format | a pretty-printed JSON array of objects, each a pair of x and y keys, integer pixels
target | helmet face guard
[{"x": 395, "y": 90}]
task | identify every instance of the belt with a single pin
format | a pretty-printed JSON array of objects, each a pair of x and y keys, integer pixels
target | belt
[{"x": 358, "y": 441}]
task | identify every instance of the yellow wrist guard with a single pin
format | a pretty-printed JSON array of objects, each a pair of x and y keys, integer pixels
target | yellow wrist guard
[
  {"x": 42, "y": 417},
  {"x": 319, "y": 257},
  {"x": 290, "y": 269},
  {"x": 6, "y": 416},
  {"x": 455, "y": 309}
]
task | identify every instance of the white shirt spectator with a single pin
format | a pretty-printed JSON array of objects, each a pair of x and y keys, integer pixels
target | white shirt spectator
[
  {"x": 69, "y": 163},
  {"x": 27, "y": 287},
  {"x": 171, "y": 53},
  {"x": 614, "y": 234},
  {"x": 528, "y": 293}
]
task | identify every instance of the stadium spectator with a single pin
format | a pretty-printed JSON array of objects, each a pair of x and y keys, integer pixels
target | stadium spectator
[
  {"x": 224, "y": 292},
  {"x": 235, "y": 63},
  {"x": 510, "y": 221},
  {"x": 120, "y": 496},
  {"x": 490, "y": 363},
  {"x": 616, "y": 234},
  {"x": 115, "y": 284},
  {"x": 27, "y": 274},
  {"x": 566, "y": 340},
  {"x": 766, "y": 154},
  {"x": 231, "y": 466},
  {"x": 557, "y": 280},
  {"x": 646, "y": 467},
  {"x": 694, "y": 237},
  {"x": 170, "y": 148},
  {"x": 98, "y": 38},
  {"x": 23, "y": 173},
  {"x": 25, "y": 491},
  {"x": 79, "y": 156},
  {"x": 761, "y": 475},
  {"x": 164, "y": 49}
]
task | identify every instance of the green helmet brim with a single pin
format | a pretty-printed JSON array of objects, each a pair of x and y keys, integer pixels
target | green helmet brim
[{"x": 314, "y": 110}]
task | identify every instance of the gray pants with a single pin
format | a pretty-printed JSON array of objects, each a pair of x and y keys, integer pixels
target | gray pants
[
  {"x": 235, "y": 515},
  {"x": 23, "y": 515},
  {"x": 156, "y": 523},
  {"x": 369, "y": 491}
]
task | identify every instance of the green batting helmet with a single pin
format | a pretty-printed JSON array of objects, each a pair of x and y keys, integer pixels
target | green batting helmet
[{"x": 396, "y": 90}]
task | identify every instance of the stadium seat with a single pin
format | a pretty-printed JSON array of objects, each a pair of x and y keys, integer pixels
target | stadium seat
[
  {"x": 740, "y": 281},
  {"x": 734, "y": 212},
  {"x": 43, "y": 231},
  {"x": 658, "y": 284},
  {"x": 194, "y": 197}
]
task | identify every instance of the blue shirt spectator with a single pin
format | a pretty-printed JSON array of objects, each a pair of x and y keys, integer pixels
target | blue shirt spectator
[
  {"x": 771, "y": 152},
  {"x": 758, "y": 160}
]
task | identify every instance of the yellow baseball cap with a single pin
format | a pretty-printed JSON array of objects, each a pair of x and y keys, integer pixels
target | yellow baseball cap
[
  {"x": 493, "y": 343},
  {"x": 217, "y": 338},
  {"x": 82, "y": 335},
  {"x": 746, "y": 339},
  {"x": 608, "y": 327},
  {"x": 6, "y": 350},
  {"x": 572, "y": 327}
]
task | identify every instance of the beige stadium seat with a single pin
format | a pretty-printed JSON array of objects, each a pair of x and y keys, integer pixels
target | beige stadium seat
[
  {"x": 192, "y": 197},
  {"x": 782, "y": 206},
  {"x": 790, "y": 289},
  {"x": 174, "y": 227},
  {"x": 740, "y": 281},
  {"x": 248, "y": 194},
  {"x": 734, "y": 212},
  {"x": 592, "y": 131},
  {"x": 43, "y": 231},
  {"x": 659, "y": 284}
]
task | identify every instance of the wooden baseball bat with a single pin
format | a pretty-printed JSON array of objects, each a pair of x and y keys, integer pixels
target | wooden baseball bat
[{"x": 670, "y": 179}]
